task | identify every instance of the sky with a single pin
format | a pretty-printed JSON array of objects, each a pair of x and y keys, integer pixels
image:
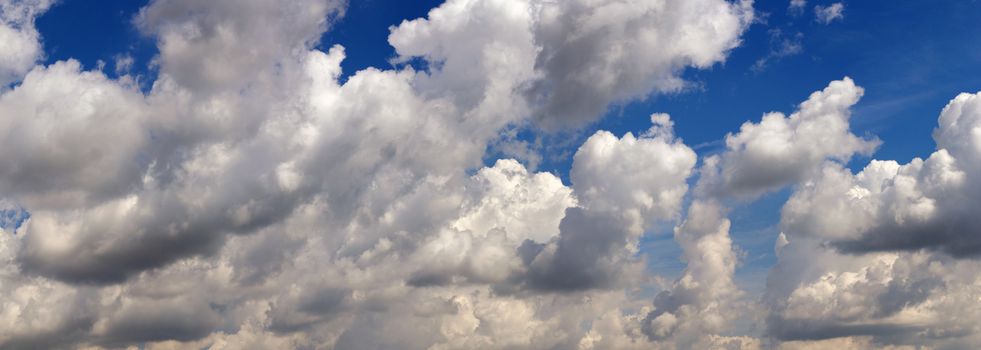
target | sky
[{"x": 493, "y": 174}]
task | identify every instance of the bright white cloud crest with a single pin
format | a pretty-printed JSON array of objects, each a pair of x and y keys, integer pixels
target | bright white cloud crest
[
  {"x": 250, "y": 199},
  {"x": 20, "y": 43}
]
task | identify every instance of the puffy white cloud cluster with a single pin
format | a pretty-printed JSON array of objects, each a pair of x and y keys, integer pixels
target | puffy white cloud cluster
[
  {"x": 59, "y": 120},
  {"x": 624, "y": 186},
  {"x": 886, "y": 253},
  {"x": 570, "y": 59},
  {"x": 704, "y": 300},
  {"x": 250, "y": 199},
  {"x": 597, "y": 52},
  {"x": 892, "y": 206},
  {"x": 776, "y": 152},
  {"x": 782, "y": 150},
  {"x": 20, "y": 45}
]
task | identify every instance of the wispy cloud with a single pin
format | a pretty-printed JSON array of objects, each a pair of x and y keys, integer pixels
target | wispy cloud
[
  {"x": 781, "y": 45},
  {"x": 828, "y": 14}
]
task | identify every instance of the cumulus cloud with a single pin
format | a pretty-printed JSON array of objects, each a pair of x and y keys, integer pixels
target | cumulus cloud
[
  {"x": 889, "y": 299},
  {"x": 67, "y": 141},
  {"x": 624, "y": 186},
  {"x": 781, "y": 150},
  {"x": 777, "y": 152},
  {"x": 880, "y": 254},
  {"x": 597, "y": 53},
  {"x": 220, "y": 46},
  {"x": 571, "y": 59},
  {"x": 892, "y": 206},
  {"x": 704, "y": 300},
  {"x": 250, "y": 198},
  {"x": 20, "y": 43}
]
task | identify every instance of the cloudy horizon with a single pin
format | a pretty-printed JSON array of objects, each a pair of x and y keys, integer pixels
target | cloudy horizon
[{"x": 489, "y": 174}]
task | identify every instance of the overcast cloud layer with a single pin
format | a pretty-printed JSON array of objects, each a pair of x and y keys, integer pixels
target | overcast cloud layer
[{"x": 250, "y": 199}]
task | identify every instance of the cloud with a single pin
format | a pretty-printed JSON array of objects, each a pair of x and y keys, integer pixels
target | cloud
[
  {"x": 704, "y": 300},
  {"x": 796, "y": 7},
  {"x": 883, "y": 253},
  {"x": 68, "y": 140},
  {"x": 571, "y": 60},
  {"x": 830, "y": 13},
  {"x": 624, "y": 186},
  {"x": 20, "y": 43},
  {"x": 220, "y": 45},
  {"x": 781, "y": 150},
  {"x": 894, "y": 299},
  {"x": 777, "y": 152},
  {"x": 251, "y": 198},
  {"x": 892, "y": 206},
  {"x": 780, "y": 46},
  {"x": 594, "y": 55}
]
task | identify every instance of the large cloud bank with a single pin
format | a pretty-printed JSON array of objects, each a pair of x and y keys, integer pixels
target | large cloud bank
[{"x": 250, "y": 199}]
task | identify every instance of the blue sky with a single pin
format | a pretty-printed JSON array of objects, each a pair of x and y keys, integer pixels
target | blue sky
[{"x": 910, "y": 56}]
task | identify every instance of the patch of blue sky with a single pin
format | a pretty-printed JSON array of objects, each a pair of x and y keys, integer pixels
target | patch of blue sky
[
  {"x": 12, "y": 218},
  {"x": 364, "y": 29},
  {"x": 102, "y": 36}
]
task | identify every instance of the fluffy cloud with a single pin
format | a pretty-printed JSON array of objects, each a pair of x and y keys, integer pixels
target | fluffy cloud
[
  {"x": 254, "y": 199},
  {"x": 880, "y": 253},
  {"x": 20, "y": 44},
  {"x": 704, "y": 300},
  {"x": 777, "y": 152},
  {"x": 570, "y": 59},
  {"x": 67, "y": 140},
  {"x": 782, "y": 150},
  {"x": 624, "y": 186},
  {"x": 597, "y": 52},
  {"x": 894, "y": 299},
  {"x": 250, "y": 198},
  {"x": 221, "y": 46},
  {"x": 889, "y": 206}
]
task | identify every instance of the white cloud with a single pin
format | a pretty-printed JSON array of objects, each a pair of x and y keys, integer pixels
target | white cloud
[
  {"x": 891, "y": 206},
  {"x": 880, "y": 253},
  {"x": 20, "y": 45},
  {"x": 797, "y": 5},
  {"x": 64, "y": 119},
  {"x": 641, "y": 179},
  {"x": 251, "y": 198},
  {"x": 506, "y": 196},
  {"x": 704, "y": 301},
  {"x": 782, "y": 150},
  {"x": 624, "y": 185},
  {"x": 777, "y": 152},
  {"x": 570, "y": 59},
  {"x": 830, "y": 13}
]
